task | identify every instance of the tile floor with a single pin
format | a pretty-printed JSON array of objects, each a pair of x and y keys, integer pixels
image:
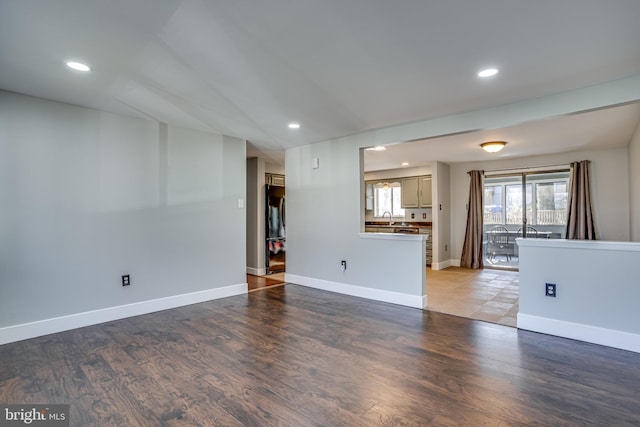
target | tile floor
[{"x": 489, "y": 295}]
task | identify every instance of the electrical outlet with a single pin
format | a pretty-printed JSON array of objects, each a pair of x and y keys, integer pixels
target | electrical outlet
[
  {"x": 550, "y": 289},
  {"x": 343, "y": 265},
  {"x": 125, "y": 280}
]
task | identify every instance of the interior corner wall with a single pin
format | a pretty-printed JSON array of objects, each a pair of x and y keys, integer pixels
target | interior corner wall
[
  {"x": 609, "y": 189},
  {"x": 441, "y": 216},
  {"x": 634, "y": 184},
  {"x": 87, "y": 196},
  {"x": 255, "y": 216}
]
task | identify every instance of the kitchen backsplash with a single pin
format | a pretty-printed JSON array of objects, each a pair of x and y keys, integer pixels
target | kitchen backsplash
[{"x": 417, "y": 216}]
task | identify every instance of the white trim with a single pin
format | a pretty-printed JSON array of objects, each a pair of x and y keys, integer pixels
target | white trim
[
  {"x": 257, "y": 271},
  {"x": 600, "y": 245},
  {"x": 592, "y": 334},
  {"x": 441, "y": 265},
  {"x": 64, "y": 323},
  {"x": 415, "y": 301},
  {"x": 393, "y": 236},
  {"x": 454, "y": 263}
]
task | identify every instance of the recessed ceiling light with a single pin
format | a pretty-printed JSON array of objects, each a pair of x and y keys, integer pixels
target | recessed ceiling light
[
  {"x": 376, "y": 148},
  {"x": 78, "y": 66},
  {"x": 294, "y": 125},
  {"x": 488, "y": 72},
  {"x": 405, "y": 163}
]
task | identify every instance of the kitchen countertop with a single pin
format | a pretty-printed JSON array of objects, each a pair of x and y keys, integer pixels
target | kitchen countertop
[
  {"x": 393, "y": 236},
  {"x": 397, "y": 224}
]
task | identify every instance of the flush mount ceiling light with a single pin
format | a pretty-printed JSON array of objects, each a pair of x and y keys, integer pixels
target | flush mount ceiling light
[
  {"x": 376, "y": 148},
  {"x": 488, "y": 72},
  {"x": 78, "y": 66},
  {"x": 493, "y": 146},
  {"x": 294, "y": 125}
]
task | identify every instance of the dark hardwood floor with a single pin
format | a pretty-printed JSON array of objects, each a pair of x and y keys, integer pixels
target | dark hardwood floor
[{"x": 293, "y": 356}]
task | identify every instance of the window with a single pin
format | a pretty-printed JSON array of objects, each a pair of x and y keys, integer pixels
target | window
[
  {"x": 551, "y": 202},
  {"x": 493, "y": 204},
  {"x": 546, "y": 199},
  {"x": 514, "y": 204},
  {"x": 387, "y": 198}
]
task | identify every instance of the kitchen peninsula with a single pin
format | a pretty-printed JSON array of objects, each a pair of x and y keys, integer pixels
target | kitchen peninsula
[{"x": 424, "y": 228}]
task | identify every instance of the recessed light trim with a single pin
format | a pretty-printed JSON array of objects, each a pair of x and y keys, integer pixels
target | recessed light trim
[
  {"x": 405, "y": 163},
  {"x": 78, "y": 66},
  {"x": 294, "y": 125},
  {"x": 488, "y": 72},
  {"x": 493, "y": 146}
]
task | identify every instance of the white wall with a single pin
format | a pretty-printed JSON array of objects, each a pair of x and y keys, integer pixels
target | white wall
[
  {"x": 609, "y": 190},
  {"x": 324, "y": 221},
  {"x": 274, "y": 168},
  {"x": 87, "y": 196},
  {"x": 255, "y": 216},
  {"x": 596, "y": 285},
  {"x": 442, "y": 216},
  {"x": 324, "y": 205},
  {"x": 634, "y": 184}
]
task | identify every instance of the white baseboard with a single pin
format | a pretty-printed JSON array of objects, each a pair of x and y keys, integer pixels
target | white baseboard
[
  {"x": 580, "y": 332},
  {"x": 454, "y": 263},
  {"x": 414, "y": 301},
  {"x": 441, "y": 265},
  {"x": 64, "y": 323},
  {"x": 257, "y": 271}
]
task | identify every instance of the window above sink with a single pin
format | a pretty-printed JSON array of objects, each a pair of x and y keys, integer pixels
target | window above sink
[{"x": 385, "y": 196}]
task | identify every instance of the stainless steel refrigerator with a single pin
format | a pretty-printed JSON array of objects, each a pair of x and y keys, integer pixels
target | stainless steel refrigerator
[{"x": 275, "y": 229}]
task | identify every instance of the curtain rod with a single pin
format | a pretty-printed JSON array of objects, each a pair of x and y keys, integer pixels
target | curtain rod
[{"x": 544, "y": 168}]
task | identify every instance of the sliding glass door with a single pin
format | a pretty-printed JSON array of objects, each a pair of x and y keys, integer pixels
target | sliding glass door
[{"x": 531, "y": 204}]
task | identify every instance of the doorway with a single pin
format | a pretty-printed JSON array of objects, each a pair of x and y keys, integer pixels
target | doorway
[{"x": 530, "y": 204}]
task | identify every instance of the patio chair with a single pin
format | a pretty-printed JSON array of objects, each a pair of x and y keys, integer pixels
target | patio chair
[
  {"x": 500, "y": 243},
  {"x": 531, "y": 232}
]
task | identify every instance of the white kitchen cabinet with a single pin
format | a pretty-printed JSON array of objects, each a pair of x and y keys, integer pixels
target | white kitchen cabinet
[
  {"x": 275, "y": 180},
  {"x": 410, "y": 192},
  {"x": 425, "y": 191},
  {"x": 416, "y": 192},
  {"x": 368, "y": 196}
]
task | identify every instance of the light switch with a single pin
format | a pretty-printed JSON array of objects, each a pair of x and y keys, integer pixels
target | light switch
[
  {"x": 240, "y": 203},
  {"x": 315, "y": 162}
]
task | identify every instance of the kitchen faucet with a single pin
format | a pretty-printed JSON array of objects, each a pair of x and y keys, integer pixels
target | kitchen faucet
[{"x": 387, "y": 212}]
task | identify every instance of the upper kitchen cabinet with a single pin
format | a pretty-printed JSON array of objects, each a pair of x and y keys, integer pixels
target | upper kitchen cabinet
[
  {"x": 410, "y": 192},
  {"x": 416, "y": 192},
  {"x": 274, "y": 179},
  {"x": 425, "y": 191}
]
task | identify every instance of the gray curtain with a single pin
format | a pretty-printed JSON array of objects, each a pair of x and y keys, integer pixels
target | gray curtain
[
  {"x": 580, "y": 216},
  {"x": 472, "y": 248}
]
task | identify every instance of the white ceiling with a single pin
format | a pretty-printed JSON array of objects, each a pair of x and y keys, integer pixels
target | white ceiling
[{"x": 248, "y": 67}]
